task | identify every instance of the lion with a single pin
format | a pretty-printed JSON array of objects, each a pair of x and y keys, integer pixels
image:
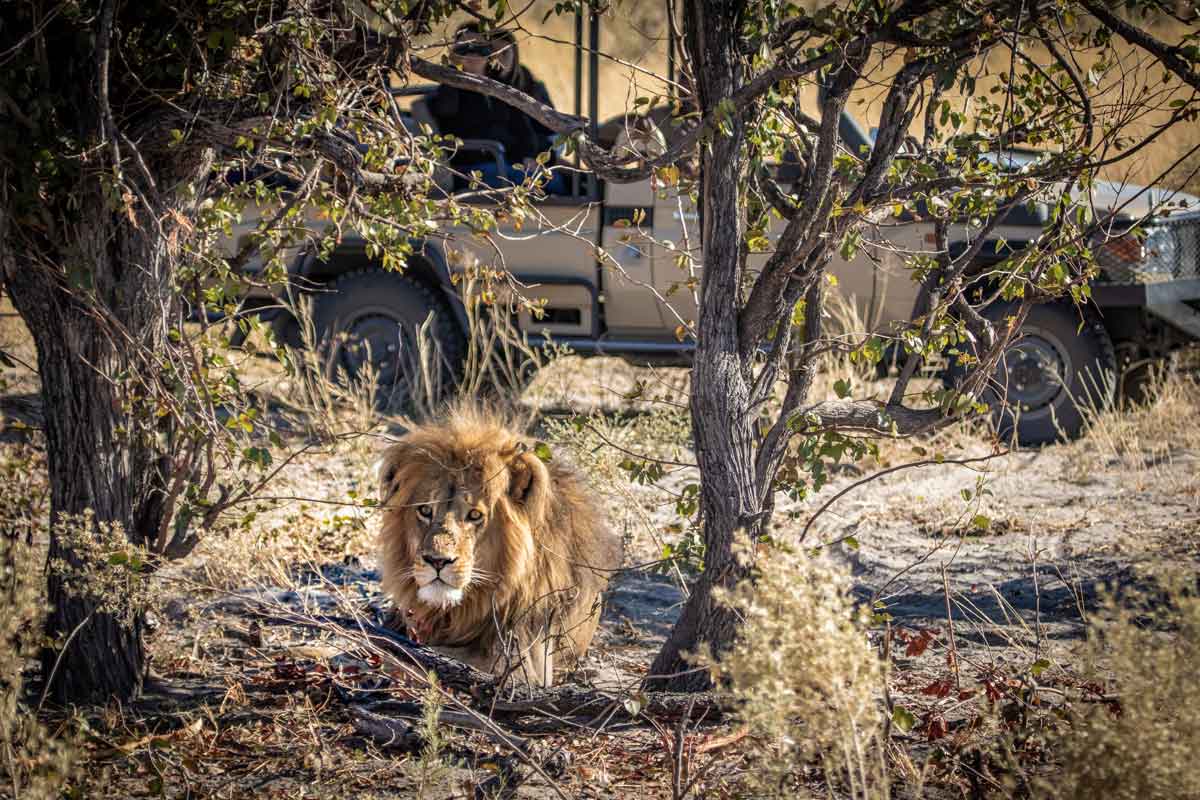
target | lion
[{"x": 490, "y": 554}]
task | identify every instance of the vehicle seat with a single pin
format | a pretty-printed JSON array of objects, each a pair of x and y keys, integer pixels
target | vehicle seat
[
  {"x": 442, "y": 176},
  {"x": 489, "y": 149}
]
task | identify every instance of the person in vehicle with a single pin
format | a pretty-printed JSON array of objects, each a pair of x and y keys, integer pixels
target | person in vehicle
[{"x": 471, "y": 115}]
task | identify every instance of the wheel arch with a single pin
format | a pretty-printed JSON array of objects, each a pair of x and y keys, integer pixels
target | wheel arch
[{"x": 426, "y": 265}]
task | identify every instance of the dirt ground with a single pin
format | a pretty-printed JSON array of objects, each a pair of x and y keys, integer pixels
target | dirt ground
[{"x": 978, "y": 574}]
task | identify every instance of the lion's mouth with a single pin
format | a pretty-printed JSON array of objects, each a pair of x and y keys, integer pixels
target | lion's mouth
[{"x": 439, "y": 594}]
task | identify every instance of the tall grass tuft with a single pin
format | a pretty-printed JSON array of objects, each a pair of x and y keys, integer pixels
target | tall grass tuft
[
  {"x": 810, "y": 686},
  {"x": 1141, "y": 742}
]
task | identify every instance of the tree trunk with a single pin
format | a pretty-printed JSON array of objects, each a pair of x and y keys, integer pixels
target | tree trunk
[
  {"x": 722, "y": 421},
  {"x": 98, "y": 318}
]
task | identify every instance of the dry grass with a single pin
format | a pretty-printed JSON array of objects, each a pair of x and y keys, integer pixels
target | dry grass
[
  {"x": 35, "y": 760},
  {"x": 1158, "y": 443},
  {"x": 810, "y": 686},
  {"x": 1141, "y": 740}
]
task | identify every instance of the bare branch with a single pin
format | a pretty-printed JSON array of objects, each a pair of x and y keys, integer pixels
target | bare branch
[{"x": 1168, "y": 56}]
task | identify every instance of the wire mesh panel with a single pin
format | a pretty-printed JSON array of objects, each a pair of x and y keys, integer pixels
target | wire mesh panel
[{"x": 1170, "y": 251}]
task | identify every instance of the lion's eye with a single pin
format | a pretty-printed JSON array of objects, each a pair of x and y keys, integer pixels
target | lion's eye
[
  {"x": 474, "y": 515},
  {"x": 425, "y": 512}
]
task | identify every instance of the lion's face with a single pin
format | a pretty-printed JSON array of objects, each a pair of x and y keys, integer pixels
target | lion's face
[
  {"x": 447, "y": 521},
  {"x": 457, "y": 521}
]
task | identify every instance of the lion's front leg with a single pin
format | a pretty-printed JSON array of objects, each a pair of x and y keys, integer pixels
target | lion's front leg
[
  {"x": 473, "y": 656},
  {"x": 524, "y": 658}
]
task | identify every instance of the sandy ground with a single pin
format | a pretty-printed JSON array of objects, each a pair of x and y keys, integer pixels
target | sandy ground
[
  {"x": 980, "y": 603},
  {"x": 977, "y": 572}
]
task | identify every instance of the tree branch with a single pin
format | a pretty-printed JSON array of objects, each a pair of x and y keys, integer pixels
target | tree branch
[
  {"x": 873, "y": 417},
  {"x": 1168, "y": 55}
]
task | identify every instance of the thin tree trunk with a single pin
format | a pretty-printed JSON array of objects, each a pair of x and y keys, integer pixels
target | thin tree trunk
[{"x": 722, "y": 420}]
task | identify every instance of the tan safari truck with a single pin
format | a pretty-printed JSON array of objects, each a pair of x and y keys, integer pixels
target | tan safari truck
[{"x": 633, "y": 301}]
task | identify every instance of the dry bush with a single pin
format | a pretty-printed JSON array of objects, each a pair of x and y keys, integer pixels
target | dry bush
[
  {"x": 847, "y": 326},
  {"x": 1140, "y": 438},
  {"x": 498, "y": 361},
  {"x": 325, "y": 402},
  {"x": 638, "y": 465},
  {"x": 810, "y": 685},
  {"x": 1143, "y": 744},
  {"x": 33, "y": 762}
]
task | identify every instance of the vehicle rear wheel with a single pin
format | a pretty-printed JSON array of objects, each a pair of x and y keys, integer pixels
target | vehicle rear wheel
[
  {"x": 1053, "y": 369},
  {"x": 1142, "y": 377},
  {"x": 368, "y": 323}
]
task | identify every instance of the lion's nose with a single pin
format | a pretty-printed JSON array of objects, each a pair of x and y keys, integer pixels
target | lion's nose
[{"x": 437, "y": 562}]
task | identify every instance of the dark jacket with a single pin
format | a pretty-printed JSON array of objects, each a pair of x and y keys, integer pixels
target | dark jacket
[
  {"x": 531, "y": 86},
  {"x": 470, "y": 115}
]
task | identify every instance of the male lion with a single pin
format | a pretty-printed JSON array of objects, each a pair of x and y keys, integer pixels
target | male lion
[{"x": 491, "y": 555}]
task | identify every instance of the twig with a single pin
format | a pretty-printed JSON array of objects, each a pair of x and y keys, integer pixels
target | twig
[
  {"x": 58, "y": 660},
  {"x": 679, "y": 776},
  {"x": 950, "y": 623},
  {"x": 925, "y": 463}
]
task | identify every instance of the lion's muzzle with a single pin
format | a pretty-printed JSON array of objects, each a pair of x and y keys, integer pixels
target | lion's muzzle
[{"x": 441, "y": 578}]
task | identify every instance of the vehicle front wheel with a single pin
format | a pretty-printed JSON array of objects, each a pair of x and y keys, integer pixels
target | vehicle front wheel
[
  {"x": 1053, "y": 369},
  {"x": 369, "y": 323}
]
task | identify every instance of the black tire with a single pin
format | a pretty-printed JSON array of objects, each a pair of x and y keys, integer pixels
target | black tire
[
  {"x": 1142, "y": 380},
  {"x": 287, "y": 330},
  {"x": 1052, "y": 370},
  {"x": 378, "y": 314}
]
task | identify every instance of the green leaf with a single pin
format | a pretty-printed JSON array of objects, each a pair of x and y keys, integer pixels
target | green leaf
[
  {"x": 542, "y": 451},
  {"x": 1039, "y": 666},
  {"x": 903, "y": 719},
  {"x": 981, "y": 522},
  {"x": 842, "y": 388},
  {"x": 850, "y": 542}
]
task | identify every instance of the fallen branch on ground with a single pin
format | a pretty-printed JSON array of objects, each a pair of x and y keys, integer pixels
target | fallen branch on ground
[
  {"x": 387, "y": 732},
  {"x": 500, "y": 699}
]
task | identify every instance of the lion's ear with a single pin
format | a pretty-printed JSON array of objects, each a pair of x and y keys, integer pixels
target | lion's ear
[
  {"x": 388, "y": 466},
  {"x": 529, "y": 486}
]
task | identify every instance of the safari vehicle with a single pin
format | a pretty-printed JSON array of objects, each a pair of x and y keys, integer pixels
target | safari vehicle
[{"x": 1145, "y": 305}]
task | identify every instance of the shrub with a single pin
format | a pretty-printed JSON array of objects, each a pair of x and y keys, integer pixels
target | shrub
[
  {"x": 1141, "y": 741},
  {"x": 33, "y": 764},
  {"x": 809, "y": 684}
]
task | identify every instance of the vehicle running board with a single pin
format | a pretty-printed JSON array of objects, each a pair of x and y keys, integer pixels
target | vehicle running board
[{"x": 614, "y": 347}]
